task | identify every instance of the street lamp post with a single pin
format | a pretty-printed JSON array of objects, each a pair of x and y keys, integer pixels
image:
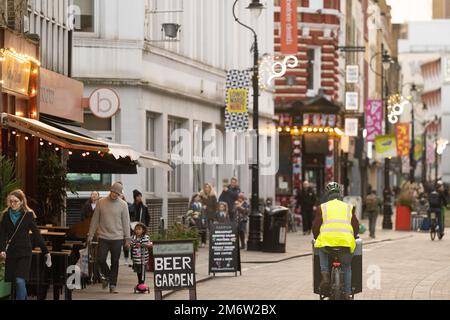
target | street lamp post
[
  {"x": 412, "y": 160},
  {"x": 387, "y": 194},
  {"x": 254, "y": 237}
]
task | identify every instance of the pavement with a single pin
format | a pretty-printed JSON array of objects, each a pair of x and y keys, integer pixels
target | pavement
[{"x": 398, "y": 265}]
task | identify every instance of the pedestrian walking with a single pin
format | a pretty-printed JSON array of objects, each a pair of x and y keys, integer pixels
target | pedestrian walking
[
  {"x": 373, "y": 208},
  {"x": 138, "y": 210},
  {"x": 242, "y": 209},
  {"x": 111, "y": 221},
  {"x": 230, "y": 195},
  {"x": 306, "y": 200},
  {"x": 196, "y": 218},
  {"x": 209, "y": 202},
  {"x": 222, "y": 215},
  {"x": 89, "y": 207},
  {"x": 140, "y": 244},
  {"x": 17, "y": 220}
]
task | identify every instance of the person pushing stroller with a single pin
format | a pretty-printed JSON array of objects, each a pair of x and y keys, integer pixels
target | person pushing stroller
[{"x": 140, "y": 243}]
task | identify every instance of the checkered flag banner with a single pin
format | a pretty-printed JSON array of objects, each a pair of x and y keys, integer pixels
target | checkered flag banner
[{"x": 236, "y": 100}]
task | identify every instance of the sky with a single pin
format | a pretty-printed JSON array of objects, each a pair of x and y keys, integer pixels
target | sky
[{"x": 410, "y": 10}]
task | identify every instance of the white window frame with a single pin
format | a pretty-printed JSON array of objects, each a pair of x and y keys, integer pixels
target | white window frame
[
  {"x": 150, "y": 174},
  {"x": 96, "y": 32},
  {"x": 177, "y": 171},
  {"x": 316, "y": 4},
  {"x": 317, "y": 70}
]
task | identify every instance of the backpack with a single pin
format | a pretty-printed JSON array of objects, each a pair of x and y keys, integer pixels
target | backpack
[
  {"x": 434, "y": 199},
  {"x": 371, "y": 203}
]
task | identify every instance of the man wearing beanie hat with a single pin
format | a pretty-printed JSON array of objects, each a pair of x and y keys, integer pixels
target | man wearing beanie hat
[
  {"x": 111, "y": 222},
  {"x": 138, "y": 211}
]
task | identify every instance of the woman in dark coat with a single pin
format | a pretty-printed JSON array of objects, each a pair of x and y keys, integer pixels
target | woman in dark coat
[
  {"x": 89, "y": 207},
  {"x": 15, "y": 243},
  {"x": 209, "y": 201}
]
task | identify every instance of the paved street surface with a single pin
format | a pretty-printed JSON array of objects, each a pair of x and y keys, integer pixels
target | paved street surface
[{"x": 397, "y": 265}]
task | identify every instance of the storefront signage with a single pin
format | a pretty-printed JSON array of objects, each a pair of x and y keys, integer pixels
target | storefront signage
[
  {"x": 351, "y": 127},
  {"x": 351, "y": 101},
  {"x": 352, "y": 74},
  {"x": 224, "y": 255},
  {"x": 15, "y": 74},
  {"x": 60, "y": 96},
  {"x": 318, "y": 119},
  {"x": 104, "y": 103},
  {"x": 289, "y": 27},
  {"x": 174, "y": 265}
]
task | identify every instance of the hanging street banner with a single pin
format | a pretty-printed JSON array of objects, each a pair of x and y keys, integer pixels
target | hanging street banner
[
  {"x": 431, "y": 150},
  {"x": 403, "y": 141},
  {"x": 385, "y": 147},
  {"x": 418, "y": 148},
  {"x": 351, "y": 101},
  {"x": 352, "y": 74},
  {"x": 351, "y": 127},
  {"x": 237, "y": 93},
  {"x": 289, "y": 28},
  {"x": 374, "y": 119}
]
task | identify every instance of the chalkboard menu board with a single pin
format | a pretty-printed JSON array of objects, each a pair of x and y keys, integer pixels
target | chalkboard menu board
[
  {"x": 224, "y": 254},
  {"x": 174, "y": 265}
]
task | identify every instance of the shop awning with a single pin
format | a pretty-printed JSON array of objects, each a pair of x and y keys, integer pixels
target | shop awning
[
  {"x": 76, "y": 138},
  {"x": 149, "y": 161},
  {"x": 54, "y": 135}
]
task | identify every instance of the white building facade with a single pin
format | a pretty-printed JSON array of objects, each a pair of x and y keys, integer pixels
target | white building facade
[
  {"x": 167, "y": 85},
  {"x": 423, "y": 56}
]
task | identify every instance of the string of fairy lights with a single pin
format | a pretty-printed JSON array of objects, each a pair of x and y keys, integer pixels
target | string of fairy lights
[
  {"x": 43, "y": 143},
  {"x": 311, "y": 129}
]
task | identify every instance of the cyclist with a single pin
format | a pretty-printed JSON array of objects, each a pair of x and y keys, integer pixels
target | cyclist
[
  {"x": 438, "y": 200},
  {"x": 336, "y": 225}
]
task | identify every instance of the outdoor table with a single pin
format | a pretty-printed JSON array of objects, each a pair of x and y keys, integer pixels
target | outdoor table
[
  {"x": 55, "y": 228},
  {"x": 56, "y": 238},
  {"x": 60, "y": 262}
]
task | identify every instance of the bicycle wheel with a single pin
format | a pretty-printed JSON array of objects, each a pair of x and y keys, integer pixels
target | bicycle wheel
[{"x": 433, "y": 230}]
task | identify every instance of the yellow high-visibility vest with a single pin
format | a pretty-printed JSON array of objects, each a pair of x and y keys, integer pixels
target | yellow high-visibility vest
[{"x": 336, "y": 229}]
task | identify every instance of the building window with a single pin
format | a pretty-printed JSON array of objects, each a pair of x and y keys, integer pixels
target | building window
[
  {"x": 198, "y": 151},
  {"x": 314, "y": 69},
  {"x": 174, "y": 177},
  {"x": 94, "y": 123},
  {"x": 316, "y": 4},
  {"x": 150, "y": 149},
  {"x": 84, "y": 22}
]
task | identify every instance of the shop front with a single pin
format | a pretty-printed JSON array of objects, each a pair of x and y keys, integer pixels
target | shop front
[{"x": 310, "y": 135}]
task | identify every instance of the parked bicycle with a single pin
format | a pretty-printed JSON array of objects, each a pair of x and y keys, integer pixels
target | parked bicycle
[{"x": 434, "y": 227}]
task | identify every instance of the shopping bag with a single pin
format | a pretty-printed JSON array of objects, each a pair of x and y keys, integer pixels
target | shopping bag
[{"x": 83, "y": 262}]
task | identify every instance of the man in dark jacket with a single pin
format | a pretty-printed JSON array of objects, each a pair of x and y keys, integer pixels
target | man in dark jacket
[
  {"x": 138, "y": 210},
  {"x": 230, "y": 195},
  {"x": 306, "y": 200}
]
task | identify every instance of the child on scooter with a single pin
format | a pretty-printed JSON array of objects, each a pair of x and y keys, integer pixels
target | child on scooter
[{"x": 140, "y": 243}]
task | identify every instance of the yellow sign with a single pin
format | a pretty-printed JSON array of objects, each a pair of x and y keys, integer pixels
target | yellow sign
[
  {"x": 16, "y": 74},
  {"x": 237, "y": 100}
]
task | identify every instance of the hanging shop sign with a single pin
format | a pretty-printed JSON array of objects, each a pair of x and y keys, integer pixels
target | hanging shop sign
[
  {"x": 351, "y": 101},
  {"x": 60, "y": 96},
  {"x": 352, "y": 74},
  {"x": 174, "y": 266},
  {"x": 104, "y": 103},
  {"x": 351, "y": 127},
  {"x": 385, "y": 146},
  {"x": 236, "y": 112},
  {"x": 224, "y": 254},
  {"x": 374, "y": 119},
  {"x": 289, "y": 27},
  {"x": 402, "y": 135},
  {"x": 16, "y": 72}
]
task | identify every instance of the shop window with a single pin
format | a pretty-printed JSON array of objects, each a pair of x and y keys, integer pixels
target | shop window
[
  {"x": 84, "y": 22},
  {"x": 94, "y": 123},
  {"x": 90, "y": 182}
]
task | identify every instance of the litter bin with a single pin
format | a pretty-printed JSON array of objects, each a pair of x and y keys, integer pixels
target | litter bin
[{"x": 275, "y": 229}]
